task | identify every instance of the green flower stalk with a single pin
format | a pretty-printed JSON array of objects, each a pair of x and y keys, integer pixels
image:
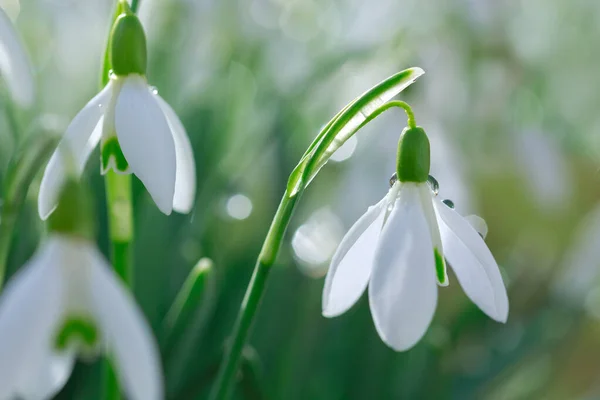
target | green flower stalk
[
  {"x": 134, "y": 5},
  {"x": 343, "y": 126}
]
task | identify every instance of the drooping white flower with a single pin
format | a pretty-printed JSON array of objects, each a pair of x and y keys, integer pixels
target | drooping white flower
[
  {"x": 139, "y": 132},
  {"x": 398, "y": 249},
  {"x": 129, "y": 116},
  {"x": 67, "y": 301},
  {"x": 14, "y": 63}
]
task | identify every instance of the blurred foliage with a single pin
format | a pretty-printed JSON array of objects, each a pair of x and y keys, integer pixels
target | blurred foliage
[{"x": 509, "y": 100}]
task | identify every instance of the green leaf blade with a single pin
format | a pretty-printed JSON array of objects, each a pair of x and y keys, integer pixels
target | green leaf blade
[{"x": 345, "y": 124}]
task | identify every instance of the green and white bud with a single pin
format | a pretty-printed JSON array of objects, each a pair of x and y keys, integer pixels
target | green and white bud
[{"x": 413, "y": 160}]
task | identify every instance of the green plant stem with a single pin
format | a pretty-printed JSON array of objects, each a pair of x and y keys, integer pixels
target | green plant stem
[
  {"x": 119, "y": 207},
  {"x": 22, "y": 169},
  {"x": 253, "y": 296},
  {"x": 134, "y": 5},
  {"x": 384, "y": 107},
  {"x": 409, "y": 112},
  {"x": 120, "y": 223},
  {"x": 112, "y": 390},
  {"x": 120, "y": 231}
]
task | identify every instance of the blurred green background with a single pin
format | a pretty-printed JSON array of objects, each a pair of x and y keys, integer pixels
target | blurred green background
[{"x": 510, "y": 100}]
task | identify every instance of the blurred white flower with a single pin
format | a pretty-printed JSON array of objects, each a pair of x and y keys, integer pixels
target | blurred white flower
[
  {"x": 397, "y": 248},
  {"x": 545, "y": 168},
  {"x": 315, "y": 241},
  {"x": 14, "y": 63},
  {"x": 12, "y": 8},
  {"x": 580, "y": 266},
  {"x": 66, "y": 302}
]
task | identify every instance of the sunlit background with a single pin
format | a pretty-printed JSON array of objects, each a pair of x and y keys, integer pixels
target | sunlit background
[{"x": 511, "y": 101}]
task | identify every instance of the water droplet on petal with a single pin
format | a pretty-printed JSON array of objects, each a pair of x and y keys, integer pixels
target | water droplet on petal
[
  {"x": 393, "y": 179},
  {"x": 345, "y": 151},
  {"x": 449, "y": 203},
  {"x": 433, "y": 183},
  {"x": 153, "y": 89}
]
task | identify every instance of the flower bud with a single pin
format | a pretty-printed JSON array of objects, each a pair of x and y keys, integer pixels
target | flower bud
[
  {"x": 413, "y": 161},
  {"x": 128, "y": 46}
]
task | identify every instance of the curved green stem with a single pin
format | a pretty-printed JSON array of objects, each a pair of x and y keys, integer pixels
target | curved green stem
[
  {"x": 253, "y": 296},
  {"x": 394, "y": 103},
  {"x": 407, "y": 109},
  {"x": 22, "y": 169},
  {"x": 134, "y": 5}
]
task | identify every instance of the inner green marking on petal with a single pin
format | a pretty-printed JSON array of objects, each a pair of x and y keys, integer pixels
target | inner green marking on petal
[
  {"x": 79, "y": 329},
  {"x": 440, "y": 267},
  {"x": 111, "y": 148}
]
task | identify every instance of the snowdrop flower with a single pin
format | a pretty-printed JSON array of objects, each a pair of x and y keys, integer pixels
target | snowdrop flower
[
  {"x": 138, "y": 131},
  {"x": 14, "y": 63},
  {"x": 398, "y": 249},
  {"x": 66, "y": 302}
]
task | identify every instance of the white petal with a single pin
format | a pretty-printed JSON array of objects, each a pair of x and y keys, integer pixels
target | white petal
[
  {"x": 472, "y": 263},
  {"x": 14, "y": 63},
  {"x": 80, "y": 139},
  {"x": 53, "y": 373},
  {"x": 185, "y": 178},
  {"x": 30, "y": 309},
  {"x": 403, "y": 290},
  {"x": 351, "y": 265},
  {"x": 434, "y": 230},
  {"x": 146, "y": 141},
  {"x": 126, "y": 332}
]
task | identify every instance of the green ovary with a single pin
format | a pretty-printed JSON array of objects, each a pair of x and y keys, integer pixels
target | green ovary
[
  {"x": 412, "y": 164},
  {"x": 128, "y": 46}
]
